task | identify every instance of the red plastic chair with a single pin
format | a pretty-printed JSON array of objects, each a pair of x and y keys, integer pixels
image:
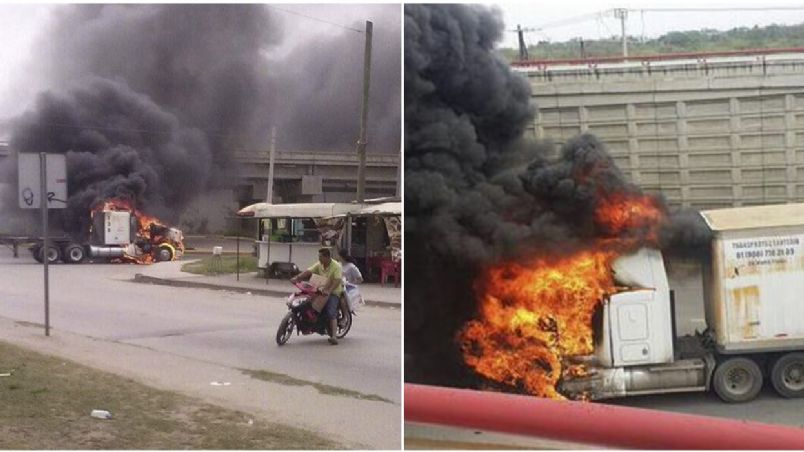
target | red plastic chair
[{"x": 389, "y": 268}]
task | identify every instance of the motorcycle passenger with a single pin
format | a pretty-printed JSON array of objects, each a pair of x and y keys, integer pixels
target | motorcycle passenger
[
  {"x": 332, "y": 289},
  {"x": 351, "y": 278},
  {"x": 351, "y": 273}
]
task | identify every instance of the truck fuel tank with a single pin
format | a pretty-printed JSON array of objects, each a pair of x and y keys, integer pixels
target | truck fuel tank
[{"x": 686, "y": 375}]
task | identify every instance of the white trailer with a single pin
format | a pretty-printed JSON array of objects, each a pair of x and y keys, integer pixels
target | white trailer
[{"x": 754, "y": 311}]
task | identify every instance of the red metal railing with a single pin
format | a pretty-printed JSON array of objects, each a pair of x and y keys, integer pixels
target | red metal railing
[
  {"x": 590, "y": 423},
  {"x": 657, "y": 57}
]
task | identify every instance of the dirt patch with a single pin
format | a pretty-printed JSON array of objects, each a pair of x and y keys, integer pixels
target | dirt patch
[
  {"x": 283, "y": 379},
  {"x": 46, "y": 404}
]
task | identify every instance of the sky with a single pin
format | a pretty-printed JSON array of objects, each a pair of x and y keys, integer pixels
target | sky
[{"x": 591, "y": 25}]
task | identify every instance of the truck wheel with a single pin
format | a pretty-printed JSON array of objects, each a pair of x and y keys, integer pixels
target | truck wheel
[
  {"x": 37, "y": 253},
  {"x": 73, "y": 254},
  {"x": 787, "y": 375},
  {"x": 164, "y": 254},
  {"x": 737, "y": 380},
  {"x": 53, "y": 254}
]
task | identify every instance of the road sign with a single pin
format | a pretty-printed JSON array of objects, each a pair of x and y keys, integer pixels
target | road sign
[{"x": 29, "y": 182}]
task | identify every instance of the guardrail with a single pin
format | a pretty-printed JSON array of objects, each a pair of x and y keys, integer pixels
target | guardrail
[
  {"x": 700, "y": 56},
  {"x": 590, "y": 423}
]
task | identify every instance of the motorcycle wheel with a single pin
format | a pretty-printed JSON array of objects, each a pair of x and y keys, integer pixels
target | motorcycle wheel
[
  {"x": 285, "y": 329},
  {"x": 342, "y": 330}
]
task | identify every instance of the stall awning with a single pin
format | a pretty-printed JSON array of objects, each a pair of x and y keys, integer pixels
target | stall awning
[{"x": 318, "y": 210}]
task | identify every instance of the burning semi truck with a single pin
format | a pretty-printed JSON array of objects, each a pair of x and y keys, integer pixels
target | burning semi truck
[
  {"x": 600, "y": 324},
  {"x": 119, "y": 233}
]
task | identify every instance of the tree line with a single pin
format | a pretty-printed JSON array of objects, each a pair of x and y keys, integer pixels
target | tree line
[{"x": 705, "y": 40}]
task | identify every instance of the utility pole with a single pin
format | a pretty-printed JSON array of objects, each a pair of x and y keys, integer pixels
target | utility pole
[
  {"x": 523, "y": 49},
  {"x": 622, "y": 14},
  {"x": 361, "y": 141},
  {"x": 583, "y": 51},
  {"x": 269, "y": 197}
]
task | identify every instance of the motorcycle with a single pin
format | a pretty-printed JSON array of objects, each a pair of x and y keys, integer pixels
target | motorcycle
[{"x": 305, "y": 319}]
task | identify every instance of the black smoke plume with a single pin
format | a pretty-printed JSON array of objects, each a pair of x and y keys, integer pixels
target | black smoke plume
[
  {"x": 476, "y": 191},
  {"x": 99, "y": 127},
  {"x": 151, "y": 102}
]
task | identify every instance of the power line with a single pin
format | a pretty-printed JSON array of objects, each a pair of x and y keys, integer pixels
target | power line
[
  {"x": 295, "y": 13},
  {"x": 563, "y": 22},
  {"x": 722, "y": 9},
  {"x": 599, "y": 14}
]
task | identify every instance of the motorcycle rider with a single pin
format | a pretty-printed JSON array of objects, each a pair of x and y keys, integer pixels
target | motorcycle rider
[{"x": 332, "y": 289}]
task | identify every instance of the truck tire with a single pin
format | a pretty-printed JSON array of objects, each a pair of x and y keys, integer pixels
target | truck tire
[
  {"x": 737, "y": 380},
  {"x": 787, "y": 375},
  {"x": 73, "y": 253},
  {"x": 37, "y": 253},
  {"x": 53, "y": 255},
  {"x": 163, "y": 254}
]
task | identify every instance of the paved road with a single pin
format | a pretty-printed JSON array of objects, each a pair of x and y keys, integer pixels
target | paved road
[
  {"x": 767, "y": 407},
  {"x": 227, "y": 329}
]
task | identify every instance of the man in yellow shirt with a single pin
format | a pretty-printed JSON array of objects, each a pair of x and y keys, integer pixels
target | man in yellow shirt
[{"x": 332, "y": 289}]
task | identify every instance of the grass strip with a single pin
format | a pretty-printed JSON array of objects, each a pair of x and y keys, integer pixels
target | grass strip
[
  {"x": 46, "y": 404},
  {"x": 218, "y": 265}
]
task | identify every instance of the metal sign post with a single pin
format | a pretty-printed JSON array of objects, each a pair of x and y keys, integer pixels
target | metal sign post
[
  {"x": 237, "y": 259},
  {"x": 43, "y": 188},
  {"x": 45, "y": 239}
]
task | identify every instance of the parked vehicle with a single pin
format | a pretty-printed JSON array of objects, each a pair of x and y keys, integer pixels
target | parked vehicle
[
  {"x": 303, "y": 318},
  {"x": 753, "y": 283}
]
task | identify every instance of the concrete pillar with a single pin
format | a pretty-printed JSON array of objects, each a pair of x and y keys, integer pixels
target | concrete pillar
[
  {"x": 583, "y": 117},
  {"x": 790, "y": 146},
  {"x": 538, "y": 130},
  {"x": 683, "y": 151},
  {"x": 735, "y": 143},
  {"x": 633, "y": 143}
]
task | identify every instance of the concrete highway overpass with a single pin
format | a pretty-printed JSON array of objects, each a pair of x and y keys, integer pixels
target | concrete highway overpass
[
  {"x": 705, "y": 130},
  {"x": 317, "y": 176}
]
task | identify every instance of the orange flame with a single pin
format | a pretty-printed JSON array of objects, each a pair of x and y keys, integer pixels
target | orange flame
[
  {"x": 534, "y": 315},
  {"x": 621, "y": 213}
]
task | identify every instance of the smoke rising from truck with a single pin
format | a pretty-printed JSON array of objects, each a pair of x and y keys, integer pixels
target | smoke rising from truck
[
  {"x": 153, "y": 101},
  {"x": 477, "y": 192}
]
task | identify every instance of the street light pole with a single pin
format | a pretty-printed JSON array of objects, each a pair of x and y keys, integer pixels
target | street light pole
[
  {"x": 269, "y": 196},
  {"x": 361, "y": 141}
]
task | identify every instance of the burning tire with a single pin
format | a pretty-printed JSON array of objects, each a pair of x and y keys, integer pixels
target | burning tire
[
  {"x": 164, "y": 253},
  {"x": 73, "y": 254},
  {"x": 737, "y": 380},
  {"x": 787, "y": 375},
  {"x": 285, "y": 329}
]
